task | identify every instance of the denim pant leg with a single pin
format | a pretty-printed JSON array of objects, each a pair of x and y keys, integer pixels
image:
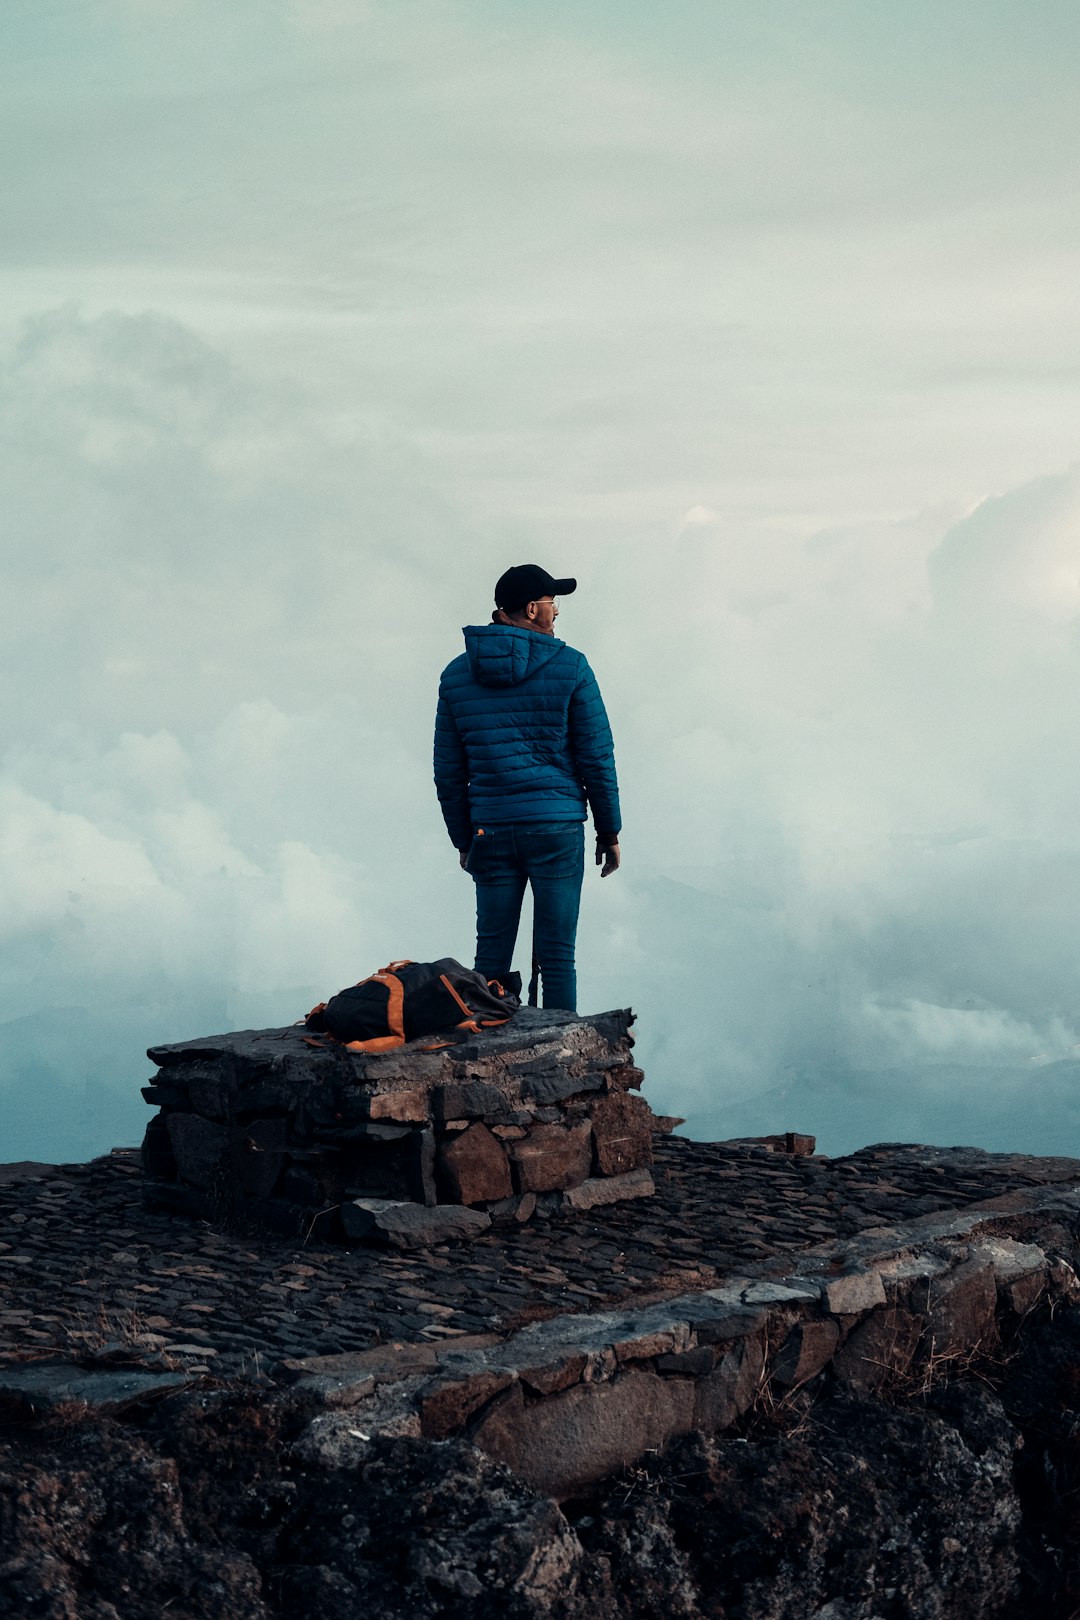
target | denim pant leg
[
  {"x": 554, "y": 858},
  {"x": 500, "y": 880}
]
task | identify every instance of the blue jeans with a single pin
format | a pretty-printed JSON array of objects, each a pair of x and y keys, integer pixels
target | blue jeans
[{"x": 552, "y": 858}]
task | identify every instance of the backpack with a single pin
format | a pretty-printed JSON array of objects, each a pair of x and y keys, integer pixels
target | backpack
[{"x": 409, "y": 999}]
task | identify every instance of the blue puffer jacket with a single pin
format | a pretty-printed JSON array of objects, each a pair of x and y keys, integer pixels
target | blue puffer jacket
[{"x": 521, "y": 734}]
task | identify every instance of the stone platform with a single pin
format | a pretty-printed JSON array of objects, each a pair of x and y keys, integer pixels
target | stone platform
[{"x": 437, "y": 1139}]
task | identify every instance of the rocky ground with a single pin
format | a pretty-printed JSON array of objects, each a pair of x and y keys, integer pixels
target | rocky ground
[
  {"x": 187, "y": 1482},
  {"x": 82, "y": 1263}
]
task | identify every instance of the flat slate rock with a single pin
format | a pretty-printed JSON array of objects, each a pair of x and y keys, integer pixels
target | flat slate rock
[
  {"x": 271, "y": 1048},
  {"x": 61, "y": 1383},
  {"x": 403, "y": 1225}
]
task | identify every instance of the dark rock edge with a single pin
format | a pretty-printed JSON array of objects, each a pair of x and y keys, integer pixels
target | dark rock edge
[{"x": 954, "y": 1499}]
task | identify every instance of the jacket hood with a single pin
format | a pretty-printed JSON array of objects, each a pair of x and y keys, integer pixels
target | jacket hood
[{"x": 503, "y": 655}]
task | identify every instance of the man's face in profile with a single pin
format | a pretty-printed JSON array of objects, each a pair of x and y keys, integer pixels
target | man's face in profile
[{"x": 547, "y": 611}]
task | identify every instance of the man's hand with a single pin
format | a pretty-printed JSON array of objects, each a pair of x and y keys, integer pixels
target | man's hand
[
  {"x": 608, "y": 854},
  {"x": 463, "y": 859}
]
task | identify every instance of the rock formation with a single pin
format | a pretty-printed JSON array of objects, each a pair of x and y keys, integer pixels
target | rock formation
[{"x": 433, "y": 1141}]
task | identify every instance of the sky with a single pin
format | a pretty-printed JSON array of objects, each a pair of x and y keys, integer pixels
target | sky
[{"x": 759, "y": 320}]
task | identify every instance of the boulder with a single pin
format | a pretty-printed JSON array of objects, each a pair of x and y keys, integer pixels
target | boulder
[
  {"x": 553, "y": 1157},
  {"x": 571, "y": 1440},
  {"x": 473, "y": 1167},
  {"x": 398, "y": 1224},
  {"x": 201, "y": 1150},
  {"x": 622, "y": 1133}
]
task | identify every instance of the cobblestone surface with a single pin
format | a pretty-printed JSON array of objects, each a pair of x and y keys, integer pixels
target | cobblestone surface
[{"x": 82, "y": 1265}]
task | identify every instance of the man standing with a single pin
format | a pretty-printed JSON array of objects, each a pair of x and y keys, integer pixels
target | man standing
[{"x": 522, "y": 749}]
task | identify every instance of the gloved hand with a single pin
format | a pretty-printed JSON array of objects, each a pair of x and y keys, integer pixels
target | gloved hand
[{"x": 608, "y": 854}]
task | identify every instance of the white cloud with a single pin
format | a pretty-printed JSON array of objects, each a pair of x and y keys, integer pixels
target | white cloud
[
  {"x": 911, "y": 1031},
  {"x": 848, "y": 840},
  {"x": 51, "y": 859}
]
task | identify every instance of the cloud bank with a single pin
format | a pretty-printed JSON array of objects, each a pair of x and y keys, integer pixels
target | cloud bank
[{"x": 852, "y": 868}]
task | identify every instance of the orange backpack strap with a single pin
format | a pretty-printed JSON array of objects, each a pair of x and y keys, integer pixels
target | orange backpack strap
[
  {"x": 469, "y": 1022},
  {"x": 395, "y": 1013},
  {"x": 443, "y": 980}
]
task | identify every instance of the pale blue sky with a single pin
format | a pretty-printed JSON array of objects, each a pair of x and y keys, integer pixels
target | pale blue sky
[{"x": 760, "y": 319}]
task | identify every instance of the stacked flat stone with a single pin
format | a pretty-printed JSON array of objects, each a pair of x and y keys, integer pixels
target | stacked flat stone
[{"x": 433, "y": 1141}]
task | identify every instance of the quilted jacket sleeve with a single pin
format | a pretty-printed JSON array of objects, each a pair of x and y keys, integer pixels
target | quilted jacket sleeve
[
  {"x": 452, "y": 776},
  {"x": 594, "y": 753}
]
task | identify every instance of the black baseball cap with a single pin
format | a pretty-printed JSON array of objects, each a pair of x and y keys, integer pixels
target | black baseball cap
[{"x": 528, "y": 583}]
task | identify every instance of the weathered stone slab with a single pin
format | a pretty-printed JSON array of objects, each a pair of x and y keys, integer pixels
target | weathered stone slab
[
  {"x": 402, "y": 1225},
  {"x": 879, "y": 1351},
  {"x": 553, "y": 1087},
  {"x": 722, "y": 1327},
  {"x": 807, "y": 1349},
  {"x": 659, "y": 1342},
  {"x": 854, "y": 1292},
  {"x": 258, "y": 1155},
  {"x": 622, "y": 1133},
  {"x": 470, "y": 1100},
  {"x": 161, "y": 1095},
  {"x": 472, "y": 1167},
  {"x": 569, "y": 1037},
  {"x": 516, "y": 1209},
  {"x": 210, "y": 1093},
  {"x": 628, "y": 1077},
  {"x": 559, "y": 1374},
  {"x": 335, "y": 1389},
  {"x": 201, "y": 1150},
  {"x": 571, "y": 1440},
  {"x": 907, "y": 1278},
  {"x": 696, "y": 1363},
  {"x": 962, "y": 1307},
  {"x": 355, "y": 1369},
  {"x": 422, "y": 1167},
  {"x": 406, "y": 1107},
  {"x": 1020, "y": 1271},
  {"x": 48, "y": 1384},
  {"x": 789, "y": 1292},
  {"x": 553, "y": 1157},
  {"x": 450, "y": 1404},
  {"x": 600, "y": 1190},
  {"x": 727, "y": 1393}
]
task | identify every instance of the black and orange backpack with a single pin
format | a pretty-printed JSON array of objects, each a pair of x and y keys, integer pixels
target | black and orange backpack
[{"x": 406, "y": 1000}]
